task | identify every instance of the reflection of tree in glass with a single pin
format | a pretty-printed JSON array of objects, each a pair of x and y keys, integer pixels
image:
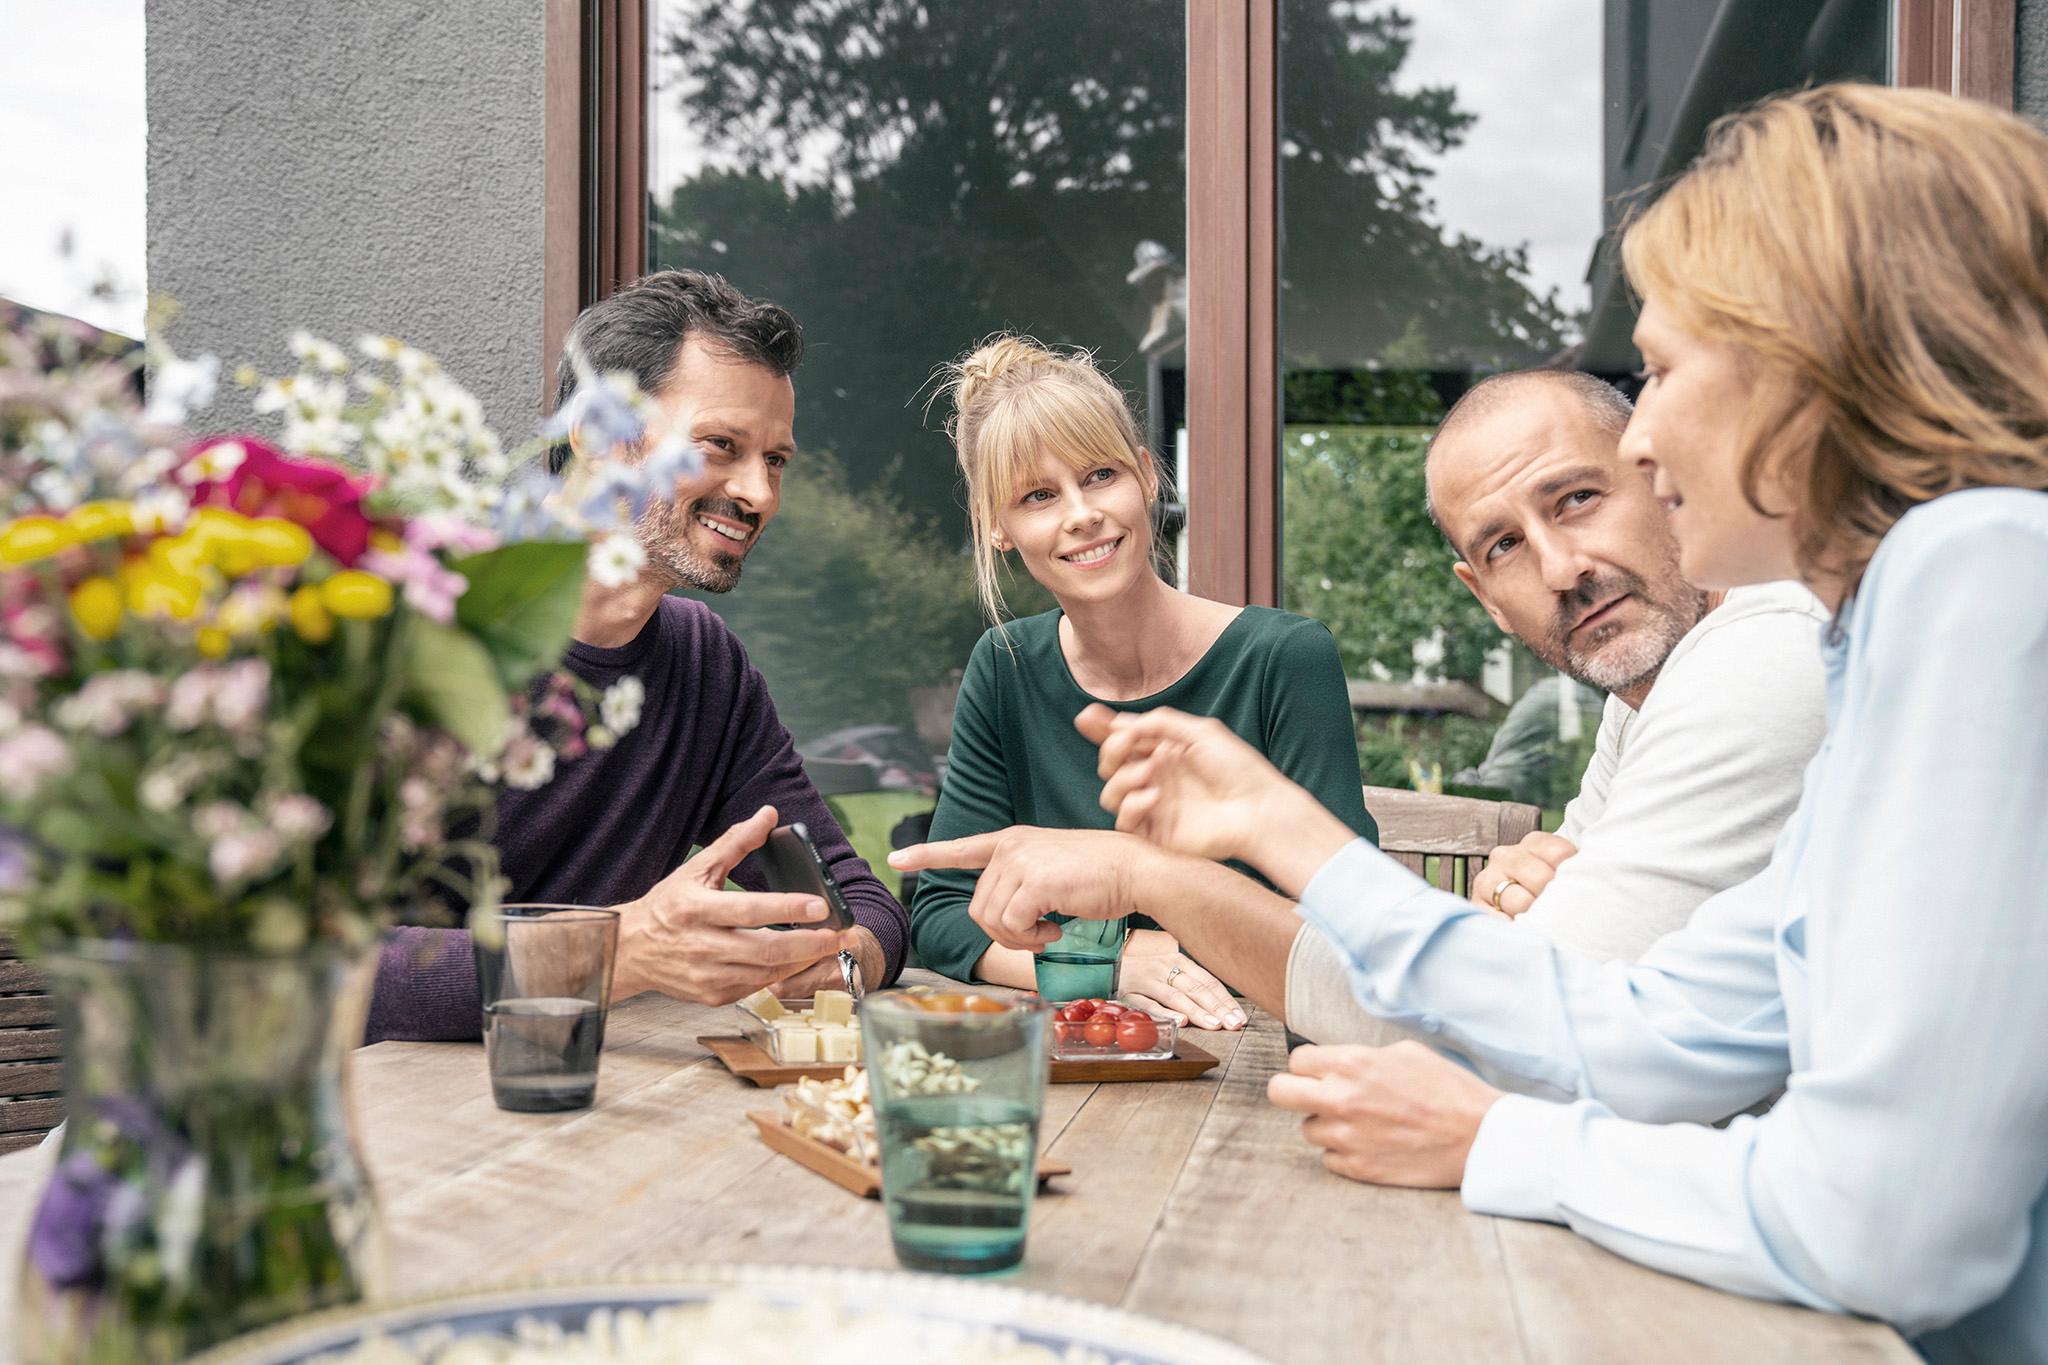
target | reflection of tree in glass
[
  {"x": 1361, "y": 554},
  {"x": 908, "y": 175},
  {"x": 850, "y": 603}
]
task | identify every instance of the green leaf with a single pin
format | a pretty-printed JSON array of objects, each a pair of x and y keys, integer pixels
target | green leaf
[
  {"x": 451, "y": 678},
  {"x": 521, "y": 603}
]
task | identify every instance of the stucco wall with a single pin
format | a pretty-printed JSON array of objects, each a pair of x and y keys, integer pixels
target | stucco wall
[
  {"x": 372, "y": 165},
  {"x": 2030, "y": 72}
]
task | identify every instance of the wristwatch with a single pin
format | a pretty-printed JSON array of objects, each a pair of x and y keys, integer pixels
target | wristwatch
[{"x": 849, "y": 972}]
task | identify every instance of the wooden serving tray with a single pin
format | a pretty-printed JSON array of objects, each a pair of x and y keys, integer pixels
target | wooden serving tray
[
  {"x": 744, "y": 1059},
  {"x": 841, "y": 1169}
]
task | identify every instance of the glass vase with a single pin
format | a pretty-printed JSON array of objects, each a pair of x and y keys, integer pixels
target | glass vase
[{"x": 207, "y": 1183}]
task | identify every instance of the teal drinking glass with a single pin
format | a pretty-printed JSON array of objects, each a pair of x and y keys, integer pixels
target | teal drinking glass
[
  {"x": 957, "y": 1079},
  {"x": 1083, "y": 962}
]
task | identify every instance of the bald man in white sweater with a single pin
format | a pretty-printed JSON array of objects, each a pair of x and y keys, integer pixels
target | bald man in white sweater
[{"x": 1713, "y": 710}]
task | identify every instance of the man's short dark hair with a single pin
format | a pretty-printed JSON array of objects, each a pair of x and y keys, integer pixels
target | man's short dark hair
[
  {"x": 641, "y": 328},
  {"x": 1605, "y": 406}
]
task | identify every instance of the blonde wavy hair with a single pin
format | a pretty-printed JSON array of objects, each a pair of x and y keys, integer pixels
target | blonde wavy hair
[
  {"x": 1013, "y": 401},
  {"x": 1881, "y": 256}
]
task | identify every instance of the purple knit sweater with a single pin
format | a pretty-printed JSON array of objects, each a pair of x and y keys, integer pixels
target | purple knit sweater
[{"x": 708, "y": 752}]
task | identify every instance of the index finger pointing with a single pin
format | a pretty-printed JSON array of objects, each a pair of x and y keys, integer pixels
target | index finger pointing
[{"x": 972, "y": 852}]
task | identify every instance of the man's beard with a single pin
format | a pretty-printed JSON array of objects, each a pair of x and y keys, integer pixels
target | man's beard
[
  {"x": 664, "y": 533},
  {"x": 1612, "y": 657}
]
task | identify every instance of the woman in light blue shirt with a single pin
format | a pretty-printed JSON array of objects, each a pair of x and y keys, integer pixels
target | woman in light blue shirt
[{"x": 1845, "y": 327}]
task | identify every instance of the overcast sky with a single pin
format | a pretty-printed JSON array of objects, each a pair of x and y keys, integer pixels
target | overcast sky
[
  {"x": 1530, "y": 168},
  {"x": 72, "y": 142}
]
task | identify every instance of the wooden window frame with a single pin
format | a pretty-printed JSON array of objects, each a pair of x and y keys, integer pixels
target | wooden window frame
[
  {"x": 1234, "y": 480},
  {"x": 594, "y": 224},
  {"x": 1966, "y": 47}
]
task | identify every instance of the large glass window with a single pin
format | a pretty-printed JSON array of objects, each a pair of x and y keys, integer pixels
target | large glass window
[
  {"x": 908, "y": 176},
  {"x": 1450, "y": 176}
]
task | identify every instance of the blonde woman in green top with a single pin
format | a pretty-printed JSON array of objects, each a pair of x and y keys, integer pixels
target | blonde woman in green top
[{"x": 1056, "y": 474}]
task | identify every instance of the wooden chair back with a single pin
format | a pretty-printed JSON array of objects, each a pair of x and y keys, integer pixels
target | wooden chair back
[
  {"x": 31, "y": 1057},
  {"x": 1446, "y": 839}
]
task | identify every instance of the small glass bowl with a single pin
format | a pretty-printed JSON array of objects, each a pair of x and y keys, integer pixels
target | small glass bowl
[{"x": 1070, "y": 1043}]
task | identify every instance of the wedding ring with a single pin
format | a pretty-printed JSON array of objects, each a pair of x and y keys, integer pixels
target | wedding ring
[
  {"x": 1501, "y": 890},
  {"x": 1173, "y": 973}
]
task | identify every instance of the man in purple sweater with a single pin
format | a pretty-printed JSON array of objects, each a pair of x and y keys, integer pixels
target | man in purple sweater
[{"x": 708, "y": 763}]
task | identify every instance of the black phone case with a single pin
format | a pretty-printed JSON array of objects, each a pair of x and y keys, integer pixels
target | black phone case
[{"x": 793, "y": 866}]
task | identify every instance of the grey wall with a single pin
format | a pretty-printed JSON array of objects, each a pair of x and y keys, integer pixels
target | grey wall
[
  {"x": 2030, "y": 72},
  {"x": 362, "y": 166}
]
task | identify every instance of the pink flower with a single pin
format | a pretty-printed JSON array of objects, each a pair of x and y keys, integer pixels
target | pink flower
[
  {"x": 441, "y": 531},
  {"x": 28, "y": 757},
  {"x": 266, "y": 482},
  {"x": 431, "y": 588}
]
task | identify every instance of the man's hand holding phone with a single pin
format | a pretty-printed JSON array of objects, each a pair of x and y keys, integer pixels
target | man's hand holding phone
[{"x": 692, "y": 939}]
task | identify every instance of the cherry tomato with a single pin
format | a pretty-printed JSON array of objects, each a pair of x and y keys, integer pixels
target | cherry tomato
[
  {"x": 985, "y": 1004},
  {"x": 1101, "y": 1032},
  {"x": 1079, "y": 1011},
  {"x": 1136, "y": 1032},
  {"x": 1068, "y": 1033},
  {"x": 1111, "y": 1011}
]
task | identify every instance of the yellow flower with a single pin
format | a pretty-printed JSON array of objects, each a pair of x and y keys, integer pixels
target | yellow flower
[
  {"x": 99, "y": 520},
  {"x": 310, "y": 617},
  {"x": 277, "y": 542},
  {"x": 154, "y": 590},
  {"x": 96, "y": 605},
  {"x": 355, "y": 595},
  {"x": 386, "y": 542},
  {"x": 27, "y": 539},
  {"x": 213, "y": 642}
]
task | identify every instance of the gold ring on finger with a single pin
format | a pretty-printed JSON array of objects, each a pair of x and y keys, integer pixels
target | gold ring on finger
[{"x": 1502, "y": 889}]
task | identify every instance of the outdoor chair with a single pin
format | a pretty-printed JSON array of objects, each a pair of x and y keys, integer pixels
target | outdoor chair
[
  {"x": 31, "y": 1065},
  {"x": 1445, "y": 839}
]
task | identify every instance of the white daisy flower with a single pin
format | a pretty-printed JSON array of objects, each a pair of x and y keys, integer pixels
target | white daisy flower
[
  {"x": 621, "y": 703},
  {"x": 527, "y": 763},
  {"x": 324, "y": 355},
  {"x": 159, "y": 510},
  {"x": 215, "y": 463},
  {"x": 616, "y": 560}
]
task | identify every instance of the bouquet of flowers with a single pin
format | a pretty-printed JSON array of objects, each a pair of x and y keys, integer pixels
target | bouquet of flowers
[{"x": 255, "y": 701}]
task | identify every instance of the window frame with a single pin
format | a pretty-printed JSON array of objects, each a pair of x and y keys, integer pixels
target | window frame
[{"x": 596, "y": 226}]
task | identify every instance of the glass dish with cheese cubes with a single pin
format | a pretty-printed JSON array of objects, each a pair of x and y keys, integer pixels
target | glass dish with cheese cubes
[{"x": 817, "y": 1032}]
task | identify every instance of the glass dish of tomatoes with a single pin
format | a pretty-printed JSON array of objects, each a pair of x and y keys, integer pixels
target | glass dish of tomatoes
[{"x": 1094, "y": 1029}]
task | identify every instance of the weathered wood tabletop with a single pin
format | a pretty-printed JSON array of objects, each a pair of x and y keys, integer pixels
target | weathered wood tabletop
[{"x": 1193, "y": 1201}]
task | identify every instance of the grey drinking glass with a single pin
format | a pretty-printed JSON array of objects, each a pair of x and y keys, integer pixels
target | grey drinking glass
[{"x": 545, "y": 974}]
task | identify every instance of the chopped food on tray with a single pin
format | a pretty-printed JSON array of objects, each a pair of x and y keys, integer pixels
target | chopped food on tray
[
  {"x": 822, "y": 1033},
  {"x": 836, "y": 1113}
]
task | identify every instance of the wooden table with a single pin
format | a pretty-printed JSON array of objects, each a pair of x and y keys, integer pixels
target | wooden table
[{"x": 1193, "y": 1201}]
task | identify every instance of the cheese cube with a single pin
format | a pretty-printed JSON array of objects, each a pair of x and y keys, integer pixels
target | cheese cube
[
  {"x": 838, "y": 1043},
  {"x": 764, "y": 1004},
  {"x": 795, "y": 1043},
  {"x": 833, "y": 1007}
]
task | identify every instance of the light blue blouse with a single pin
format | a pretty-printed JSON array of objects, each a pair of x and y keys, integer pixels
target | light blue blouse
[{"x": 1889, "y": 969}]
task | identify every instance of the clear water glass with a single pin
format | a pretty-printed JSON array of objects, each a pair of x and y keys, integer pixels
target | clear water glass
[
  {"x": 957, "y": 1079},
  {"x": 545, "y": 974}
]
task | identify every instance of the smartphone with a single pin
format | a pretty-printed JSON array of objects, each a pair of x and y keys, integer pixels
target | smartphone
[{"x": 793, "y": 866}]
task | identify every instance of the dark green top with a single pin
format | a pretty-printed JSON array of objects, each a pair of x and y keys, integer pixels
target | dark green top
[{"x": 1017, "y": 759}]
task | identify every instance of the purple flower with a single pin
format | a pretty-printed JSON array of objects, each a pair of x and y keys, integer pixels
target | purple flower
[{"x": 64, "y": 1239}]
